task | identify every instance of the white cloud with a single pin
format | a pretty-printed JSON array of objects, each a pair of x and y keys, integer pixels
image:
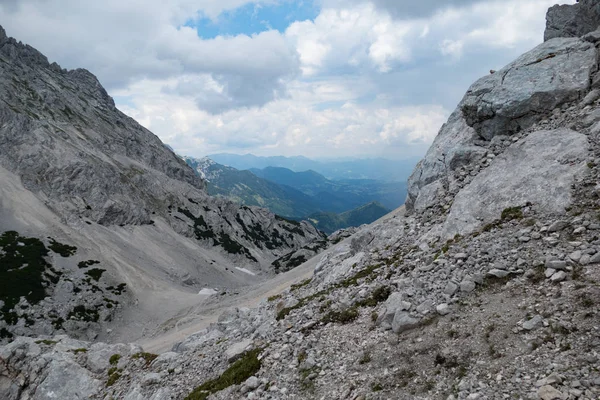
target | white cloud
[{"x": 364, "y": 77}]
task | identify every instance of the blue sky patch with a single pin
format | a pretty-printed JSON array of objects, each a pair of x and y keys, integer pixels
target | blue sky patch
[{"x": 255, "y": 18}]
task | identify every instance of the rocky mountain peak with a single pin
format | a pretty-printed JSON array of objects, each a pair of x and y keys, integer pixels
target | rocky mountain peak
[{"x": 572, "y": 20}]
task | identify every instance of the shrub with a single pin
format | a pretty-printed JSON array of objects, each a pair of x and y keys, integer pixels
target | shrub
[{"x": 236, "y": 374}]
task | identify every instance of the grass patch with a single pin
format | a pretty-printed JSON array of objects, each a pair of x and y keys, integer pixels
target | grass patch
[
  {"x": 236, "y": 374},
  {"x": 510, "y": 213},
  {"x": 379, "y": 295},
  {"x": 274, "y": 297},
  {"x": 342, "y": 317},
  {"x": 300, "y": 285},
  {"x": 148, "y": 357},
  {"x": 81, "y": 350},
  {"x": 114, "y": 359},
  {"x": 113, "y": 376}
]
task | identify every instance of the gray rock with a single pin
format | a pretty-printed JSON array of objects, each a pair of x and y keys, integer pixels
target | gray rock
[
  {"x": 549, "y": 393},
  {"x": 393, "y": 304},
  {"x": 572, "y": 20},
  {"x": 533, "y": 323},
  {"x": 403, "y": 322},
  {"x": 543, "y": 167},
  {"x": 595, "y": 259},
  {"x": 151, "y": 378},
  {"x": 559, "y": 276},
  {"x": 591, "y": 97},
  {"x": 498, "y": 273},
  {"x": 451, "y": 288},
  {"x": 67, "y": 380},
  {"x": 443, "y": 309},
  {"x": 252, "y": 383},
  {"x": 467, "y": 286},
  {"x": 236, "y": 350},
  {"x": 556, "y": 264},
  {"x": 512, "y": 99},
  {"x": 558, "y": 226}
]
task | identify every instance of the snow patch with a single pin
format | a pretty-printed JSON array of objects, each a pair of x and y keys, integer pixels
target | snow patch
[
  {"x": 245, "y": 271},
  {"x": 208, "y": 292}
]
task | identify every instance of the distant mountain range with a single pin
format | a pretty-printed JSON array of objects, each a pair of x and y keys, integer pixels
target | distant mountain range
[
  {"x": 328, "y": 204},
  {"x": 373, "y": 168},
  {"x": 331, "y": 222}
]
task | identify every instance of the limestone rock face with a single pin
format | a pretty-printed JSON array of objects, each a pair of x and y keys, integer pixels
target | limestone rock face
[
  {"x": 572, "y": 20},
  {"x": 501, "y": 104},
  {"x": 75, "y": 168},
  {"x": 539, "y": 169}
]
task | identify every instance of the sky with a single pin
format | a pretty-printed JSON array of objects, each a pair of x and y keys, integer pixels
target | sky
[{"x": 319, "y": 78}]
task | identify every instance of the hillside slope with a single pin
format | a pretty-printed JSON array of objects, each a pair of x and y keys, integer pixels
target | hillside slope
[{"x": 74, "y": 169}]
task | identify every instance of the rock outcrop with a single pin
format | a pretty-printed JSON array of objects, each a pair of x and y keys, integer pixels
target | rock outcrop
[
  {"x": 572, "y": 20},
  {"x": 512, "y": 100}
]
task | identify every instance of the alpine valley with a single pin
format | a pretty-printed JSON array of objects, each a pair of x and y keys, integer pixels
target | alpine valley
[{"x": 121, "y": 277}]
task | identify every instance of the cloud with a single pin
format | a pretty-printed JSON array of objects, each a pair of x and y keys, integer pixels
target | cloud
[
  {"x": 405, "y": 9},
  {"x": 362, "y": 78},
  {"x": 125, "y": 41}
]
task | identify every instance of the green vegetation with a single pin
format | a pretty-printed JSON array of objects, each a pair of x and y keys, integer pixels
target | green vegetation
[
  {"x": 274, "y": 297},
  {"x": 379, "y": 295},
  {"x": 114, "y": 374},
  {"x": 367, "y": 273},
  {"x": 236, "y": 374},
  {"x": 63, "y": 250},
  {"x": 5, "y": 334},
  {"x": 148, "y": 357},
  {"x": 342, "y": 317},
  {"x": 508, "y": 214},
  {"x": 80, "y": 350},
  {"x": 84, "y": 314},
  {"x": 300, "y": 285},
  {"x": 95, "y": 273},
  {"x": 24, "y": 272},
  {"x": 288, "y": 261},
  {"x": 114, "y": 359},
  {"x": 88, "y": 263}
]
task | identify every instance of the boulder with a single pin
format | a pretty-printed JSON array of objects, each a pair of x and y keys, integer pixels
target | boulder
[
  {"x": 572, "y": 20},
  {"x": 67, "y": 380},
  {"x": 236, "y": 350},
  {"x": 403, "y": 322},
  {"x": 542, "y": 169}
]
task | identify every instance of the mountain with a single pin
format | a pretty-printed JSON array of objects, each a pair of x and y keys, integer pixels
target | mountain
[
  {"x": 329, "y": 205},
  {"x": 330, "y": 222},
  {"x": 99, "y": 220},
  {"x": 337, "y": 195},
  {"x": 374, "y": 168},
  {"x": 246, "y": 188},
  {"x": 485, "y": 286}
]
